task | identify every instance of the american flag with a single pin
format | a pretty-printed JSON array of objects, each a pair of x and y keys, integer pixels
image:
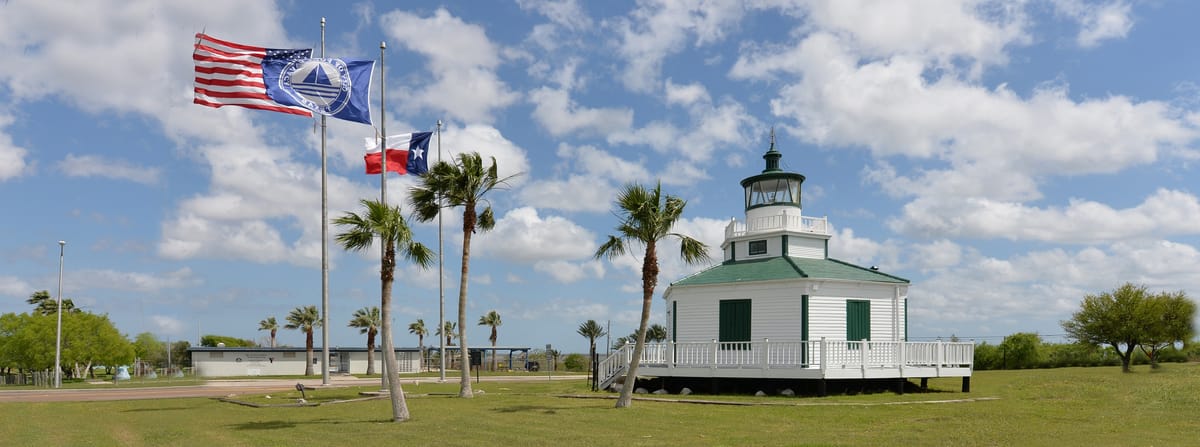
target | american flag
[{"x": 231, "y": 74}]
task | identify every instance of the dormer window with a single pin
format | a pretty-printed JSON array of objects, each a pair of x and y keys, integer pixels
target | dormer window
[{"x": 758, "y": 248}]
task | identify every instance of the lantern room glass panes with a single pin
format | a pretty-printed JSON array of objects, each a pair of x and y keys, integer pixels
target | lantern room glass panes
[{"x": 779, "y": 191}]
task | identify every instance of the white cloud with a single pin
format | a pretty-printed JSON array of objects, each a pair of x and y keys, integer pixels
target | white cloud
[
  {"x": 521, "y": 235},
  {"x": 844, "y": 245},
  {"x": 12, "y": 157},
  {"x": 462, "y": 60},
  {"x": 1112, "y": 20},
  {"x": 165, "y": 325},
  {"x": 568, "y": 272},
  {"x": 558, "y": 114},
  {"x": 14, "y": 286},
  {"x": 134, "y": 281},
  {"x": 686, "y": 94},
  {"x": 660, "y": 28},
  {"x": 1165, "y": 213},
  {"x": 99, "y": 166}
]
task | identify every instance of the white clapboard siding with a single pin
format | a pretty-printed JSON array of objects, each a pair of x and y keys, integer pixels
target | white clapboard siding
[{"x": 806, "y": 247}]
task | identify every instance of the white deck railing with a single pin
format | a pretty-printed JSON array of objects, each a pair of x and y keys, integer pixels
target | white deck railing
[
  {"x": 766, "y": 354},
  {"x": 815, "y": 225}
]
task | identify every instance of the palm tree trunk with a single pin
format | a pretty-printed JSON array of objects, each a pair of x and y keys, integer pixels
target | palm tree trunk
[
  {"x": 273, "y": 337},
  {"x": 370, "y": 353},
  {"x": 649, "y": 280},
  {"x": 399, "y": 404},
  {"x": 308, "y": 351},
  {"x": 464, "y": 356}
]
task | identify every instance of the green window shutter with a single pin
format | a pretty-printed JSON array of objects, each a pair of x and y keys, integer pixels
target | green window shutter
[
  {"x": 858, "y": 320},
  {"x": 734, "y": 320}
]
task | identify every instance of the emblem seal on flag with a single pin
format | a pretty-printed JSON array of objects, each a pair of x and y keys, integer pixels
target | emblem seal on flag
[{"x": 321, "y": 85}]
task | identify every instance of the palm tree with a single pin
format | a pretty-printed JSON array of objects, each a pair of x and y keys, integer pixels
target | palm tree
[
  {"x": 388, "y": 224},
  {"x": 367, "y": 320},
  {"x": 646, "y": 218},
  {"x": 591, "y": 330},
  {"x": 450, "y": 330},
  {"x": 269, "y": 324},
  {"x": 418, "y": 328},
  {"x": 45, "y": 304},
  {"x": 657, "y": 334},
  {"x": 492, "y": 320},
  {"x": 452, "y": 185},
  {"x": 305, "y": 318}
]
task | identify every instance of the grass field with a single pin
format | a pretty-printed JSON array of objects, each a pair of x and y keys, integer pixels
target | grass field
[{"x": 1060, "y": 407}]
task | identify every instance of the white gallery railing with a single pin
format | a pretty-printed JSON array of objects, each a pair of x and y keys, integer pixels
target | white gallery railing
[
  {"x": 816, "y": 225},
  {"x": 822, "y": 354}
]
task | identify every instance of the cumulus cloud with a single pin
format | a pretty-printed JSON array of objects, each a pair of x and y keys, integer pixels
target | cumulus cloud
[
  {"x": 12, "y": 157},
  {"x": 522, "y": 235},
  {"x": 100, "y": 166},
  {"x": 568, "y": 272},
  {"x": 135, "y": 281},
  {"x": 166, "y": 325},
  {"x": 462, "y": 60},
  {"x": 1111, "y": 20},
  {"x": 657, "y": 29},
  {"x": 558, "y": 114}
]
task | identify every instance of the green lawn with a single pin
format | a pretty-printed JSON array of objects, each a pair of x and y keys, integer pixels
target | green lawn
[{"x": 1060, "y": 407}]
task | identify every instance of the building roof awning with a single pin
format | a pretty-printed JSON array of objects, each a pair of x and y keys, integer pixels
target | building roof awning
[{"x": 784, "y": 268}]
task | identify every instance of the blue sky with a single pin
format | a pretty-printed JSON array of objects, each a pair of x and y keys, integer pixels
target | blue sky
[{"x": 1007, "y": 157}]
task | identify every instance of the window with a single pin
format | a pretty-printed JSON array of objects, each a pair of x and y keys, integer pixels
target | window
[
  {"x": 289, "y": 355},
  {"x": 758, "y": 248},
  {"x": 734, "y": 323},
  {"x": 216, "y": 355}
]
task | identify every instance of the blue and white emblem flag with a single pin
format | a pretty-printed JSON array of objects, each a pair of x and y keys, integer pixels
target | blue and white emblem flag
[{"x": 333, "y": 87}]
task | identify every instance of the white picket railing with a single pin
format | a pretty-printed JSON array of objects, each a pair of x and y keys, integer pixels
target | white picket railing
[
  {"x": 805, "y": 224},
  {"x": 766, "y": 354}
]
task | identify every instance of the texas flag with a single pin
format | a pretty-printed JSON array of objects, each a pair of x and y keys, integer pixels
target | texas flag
[{"x": 406, "y": 154}]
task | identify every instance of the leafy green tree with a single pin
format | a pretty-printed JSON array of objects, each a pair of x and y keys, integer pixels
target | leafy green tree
[
  {"x": 1169, "y": 317},
  {"x": 575, "y": 362},
  {"x": 212, "y": 341},
  {"x": 465, "y": 184},
  {"x": 149, "y": 349},
  {"x": 180, "y": 357},
  {"x": 418, "y": 328},
  {"x": 367, "y": 320},
  {"x": 386, "y": 223},
  {"x": 269, "y": 324},
  {"x": 1020, "y": 350},
  {"x": 305, "y": 319},
  {"x": 591, "y": 330},
  {"x": 1116, "y": 319},
  {"x": 647, "y": 217},
  {"x": 491, "y": 320}
]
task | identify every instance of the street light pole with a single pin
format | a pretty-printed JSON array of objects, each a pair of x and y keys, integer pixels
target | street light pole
[{"x": 58, "y": 334}]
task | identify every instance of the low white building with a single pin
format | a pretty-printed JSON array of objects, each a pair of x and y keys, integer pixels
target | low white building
[{"x": 232, "y": 362}]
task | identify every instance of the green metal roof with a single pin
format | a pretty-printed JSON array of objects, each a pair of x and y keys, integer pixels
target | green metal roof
[{"x": 783, "y": 267}]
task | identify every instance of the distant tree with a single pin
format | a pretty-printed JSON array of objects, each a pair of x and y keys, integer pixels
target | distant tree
[
  {"x": 367, "y": 320},
  {"x": 269, "y": 324},
  {"x": 305, "y": 319},
  {"x": 150, "y": 350},
  {"x": 657, "y": 333},
  {"x": 1020, "y": 350},
  {"x": 230, "y": 342},
  {"x": 646, "y": 218},
  {"x": 591, "y": 330},
  {"x": 449, "y": 330},
  {"x": 180, "y": 357},
  {"x": 492, "y": 320},
  {"x": 1169, "y": 317},
  {"x": 418, "y": 328},
  {"x": 575, "y": 362},
  {"x": 464, "y": 183},
  {"x": 45, "y": 304},
  {"x": 1117, "y": 319}
]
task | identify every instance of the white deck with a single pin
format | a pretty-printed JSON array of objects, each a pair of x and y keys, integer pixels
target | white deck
[{"x": 822, "y": 359}]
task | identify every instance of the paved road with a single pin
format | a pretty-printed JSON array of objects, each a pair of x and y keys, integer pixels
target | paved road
[{"x": 218, "y": 388}]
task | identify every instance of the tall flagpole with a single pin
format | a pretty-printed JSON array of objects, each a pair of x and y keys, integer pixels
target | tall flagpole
[
  {"x": 324, "y": 245},
  {"x": 383, "y": 383},
  {"x": 441, "y": 274}
]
